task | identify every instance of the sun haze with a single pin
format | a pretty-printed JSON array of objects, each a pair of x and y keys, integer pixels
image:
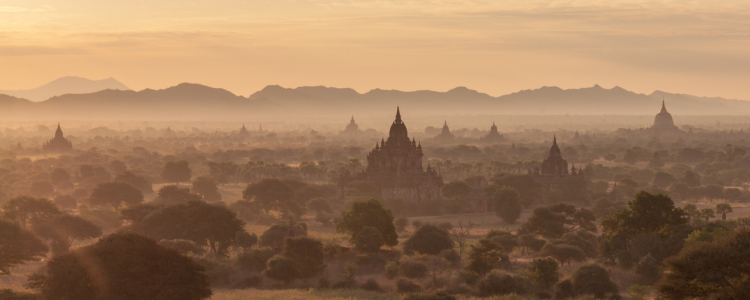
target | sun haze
[{"x": 497, "y": 47}]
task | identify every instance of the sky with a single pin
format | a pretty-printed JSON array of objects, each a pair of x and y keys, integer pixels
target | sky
[{"x": 493, "y": 46}]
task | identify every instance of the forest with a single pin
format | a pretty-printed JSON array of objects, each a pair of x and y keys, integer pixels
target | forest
[{"x": 146, "y": 213}]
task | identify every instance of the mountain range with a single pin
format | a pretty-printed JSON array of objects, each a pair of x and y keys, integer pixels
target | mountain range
[
  {"x": 67, "y": 85},
  {"x": 189, "y": 101}
]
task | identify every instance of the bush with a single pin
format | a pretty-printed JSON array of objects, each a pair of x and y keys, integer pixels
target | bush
[
  {"x": 429, "y": 240},
  {"x": 593, "y": 280},
  {"x": 401, "y": 224},
  {"x": 255, "y": 259},
  {"x": 281, "y": 268},
  {"x": 564, "y": 290},
  {"x": 452, "y": 256},
  {"x": 648, "y": 269},
  {"x": 497, "y": 283},
  {"x": 406, "y": 286},
  {"x": 371, "y": 285},
  {"x": 369, "y": 239},
  {"x": 274, "y": 236},
  {"x": 545, "y": 272},
  {"x": 307, "y": 254},
  {"x": 469, "y": 277},
  {"x": 244, "y": 240},
  {"x": 430, "y": 296},
  {"x": 412, "y": 268}
]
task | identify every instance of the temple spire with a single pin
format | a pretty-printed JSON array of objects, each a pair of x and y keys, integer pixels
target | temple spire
[
  {"x": 398, "y": 114},
  {"x": 554, "y": 140}
]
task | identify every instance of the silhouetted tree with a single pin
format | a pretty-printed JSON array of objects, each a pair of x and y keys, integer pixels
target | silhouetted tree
[
  {"x": 593, "y": 280},
  {"x": 134, "y": 267},
  {"x": 207, "y": 187},
  {"x": 176, "y": 171},
  {"x": 485, "y": 256},
  {"x": 369, "y": 239},
  {"x": 429, "y": 239},
  {"x": 29, "y": 211},
  {"x": 205, "y": 224},
  {"x": 172, "y": 194},
  {"x": 60, "y": 178},
  {"x": 723, "y": 209},
  {"x": 115, "y": 194},
  {"x": 272, "y": 194},
  {"x": 507, "y": 204},
  {"x": 17, "y": 246},
  {"x": 65, "y": 229},
  {"x": 555, "y": 220},
  {"x": 307, "y": 253},
  {"x": 545, "y": 272},
  {"x": 369, "y": 213},
  {"x": 140, "y": 182},
  {"x": 41, "y": 189}
]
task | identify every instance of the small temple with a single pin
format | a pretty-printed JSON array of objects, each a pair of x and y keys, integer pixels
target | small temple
[
  {"x": 663, "y": 121},
  {"x": 243, "y": 130},
  {"x": 493, "y": 136},
  {"x": 352, "y": 129},
  {"x": 445, "y": 135},
  {"x": 59, "y": 143}
]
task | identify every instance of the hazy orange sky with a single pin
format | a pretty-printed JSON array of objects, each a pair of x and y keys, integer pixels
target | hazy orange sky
[{"x": 494, "y": 46}]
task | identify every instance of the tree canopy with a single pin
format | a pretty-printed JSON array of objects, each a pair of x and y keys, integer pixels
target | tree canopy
[
  {"x": 29, "y": 211},
  {"x": 555, "y": 220},
  {"x": 17, "y": 246},
  {"x": 272, "y": 194},
  {"x": 369, "y": 213},
  {"x": 116, "y": 194},
  {"x": 207, "y": 187},
  {"x": 122, "y": 266},
  {"x": 507, "y": 204},
  {"x": 64, "y": 229},
  {"x": 429, "y": 240},
  {"x": 205, "y": 224},
  {"x": 176, "y": 171}
]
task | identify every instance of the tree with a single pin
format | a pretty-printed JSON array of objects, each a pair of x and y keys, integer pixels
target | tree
[
  {"x": 456, "y": 190},
  {"x": 176, "y": 171},
  {"x": 307, "y": 254},
  {"x": 319, "y": 205},
  {"x": 508, "y": 204},
  {"x": 609, "y": 157},
  {"x": 205, "y": 224},
  {"x": 244, "y": 240},
  {"x": 503, "y": 238},
  {"x": 272, "y": 194},
  {"x": 429, "y": 240},
  {"x": 139, "y": 182},
  {"x": 485, "y": 256},
  {"x": 173, "y": 194},
  {"x": 115, "y": 194},
  {"x": 275, "y": 235},
  {"x": 369, "y": 213},
  {"x": 139, "y": 212},
  {"x": 563, "y": 253},
  {"x": 663, "y": 179},
  {"x": 593, "y": 280},
  {"x": 709, "y": 270},
  {"x": 369, "y": 239},
  {"x": 65, "y": 229},
  {"x": 207, "y": 187},
  {"x": 691, "y": 211},
  {"x": 545, "y": 272},
  {"x": 707, "y": 214},
  {"x": 690, "y": 178},
  {"x": 655, "y": 161},
  {"x": 29, "y": 211},
  {"x": 17, "y": 246},
  {"x": 60, "y": 178},
  {"x": 603, "y": 207},
  {"x": 281, "y": 267},
  {"x": 461, "y": 235},
  {"x": 648, "y": 269},
  {"x": 723, "y": 209},
  {"x": 555, "y": 220},
  {"x": 135, "y": 267}
]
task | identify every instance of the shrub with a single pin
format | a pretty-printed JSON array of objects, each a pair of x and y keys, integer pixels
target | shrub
[
  {"x": 545, "y": 272},
  {"x": 593, "y": 280},
  {"x": 401, "y": 224},
  {"x": 412, "y": 268},
  {"x": 469, "y": 277},
  {"x": 255, "y": 259},
  {"x": 307, "y": 254},
  {"x": 274, "y": 236},
  {"x": 429, "y": 240},
  {"x": 369, "y": 239},
  {"x": 407, "y": 286},
  {"x": 451, "y": 255},
  {"x": 391, "y": 269},
  {"x": 497, "y": 283},
  {"x": 281, "y": 268},
  {"x": 648, "y": 269},
  {"x": 564, "y": 289},
  {"x": 371, "y": 285}
]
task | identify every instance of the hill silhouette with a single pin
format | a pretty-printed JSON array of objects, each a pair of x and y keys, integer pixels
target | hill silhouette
[
  {"x": 67, "y": 85},
  {"x": 188, "y": 101}
]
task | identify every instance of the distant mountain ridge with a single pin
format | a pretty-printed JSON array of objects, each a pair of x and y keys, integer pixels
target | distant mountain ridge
[
  {"x": 67, "y": 85},
  {"x": 188, "y": 101}
]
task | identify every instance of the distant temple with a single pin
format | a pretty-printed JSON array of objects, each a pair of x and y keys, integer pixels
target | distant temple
[
  {"x": 493, "y": 136},
  {"x": 446, "y": 134},
  {"x": 243, "y": 130},
  {"x": 663, "y": 120},
  {"x": 555, "y": 164},
  {"x": 352, "y": 129},
  {"x": 58, "y": 143},
  {"x": 554, "y": 167},
  {"x": 395, "y": 167}
]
